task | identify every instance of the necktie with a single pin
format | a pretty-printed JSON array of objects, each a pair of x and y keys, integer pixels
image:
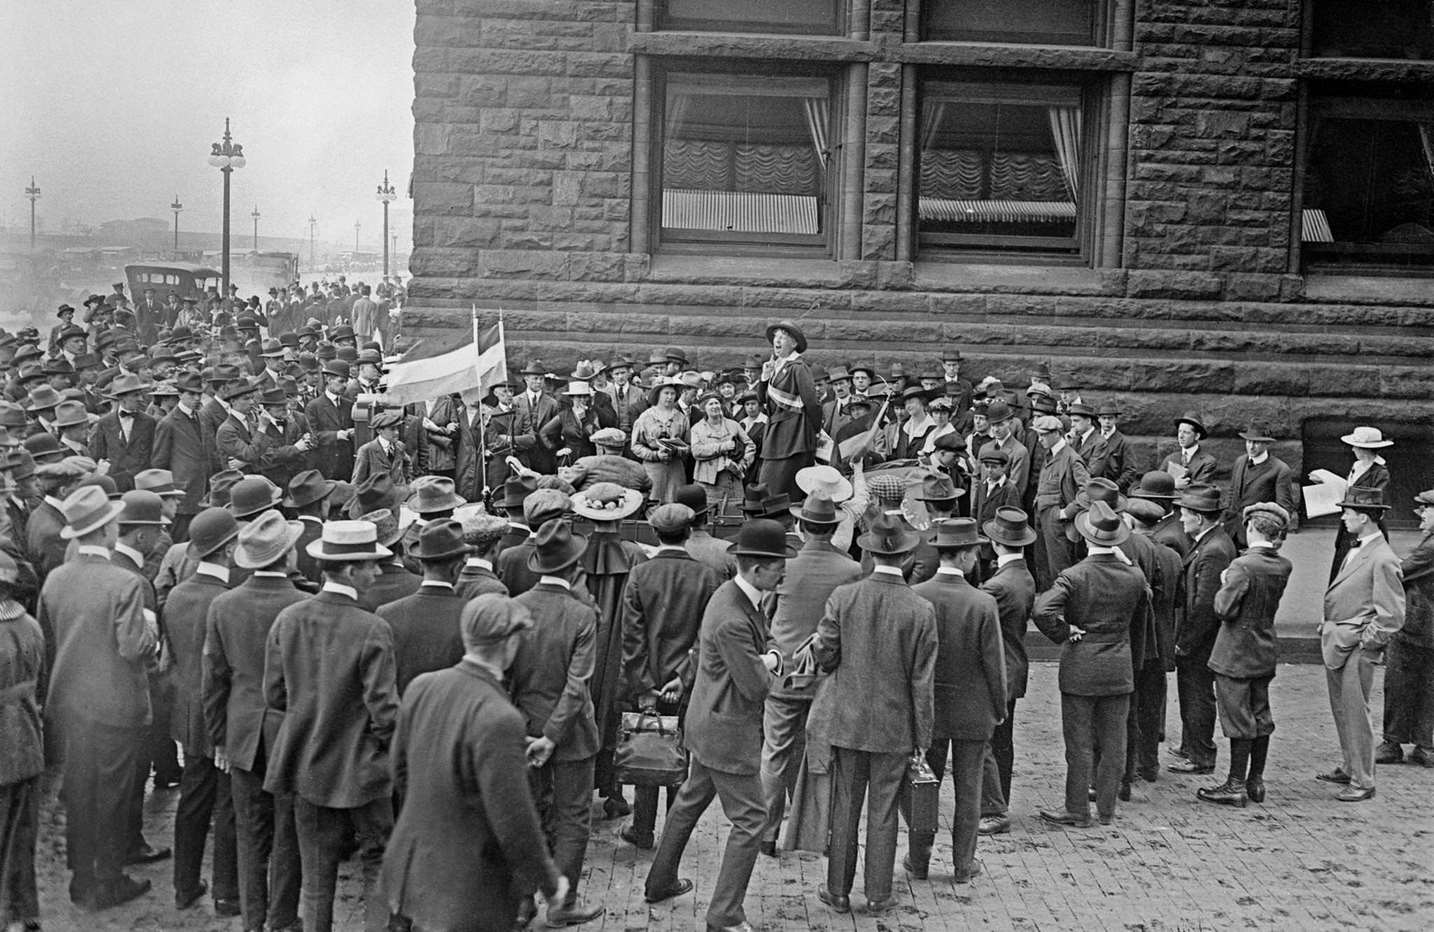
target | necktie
[{"x": 1354, "y": 544}]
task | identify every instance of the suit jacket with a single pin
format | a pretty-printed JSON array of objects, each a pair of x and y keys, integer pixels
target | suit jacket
[
  {"x": 237, "y": 634},
  {"x": 662, "y": 606},
  {"x": 425, "y": 632},
  {"x": 393, "y": 583},
  {"x": 179, "y": 447},
  {"x": 1418, "y": 569},
  {"x": 729, "y": 691},
  {"x": 1105, "y": 597},
  {"x": 43, "y": 541},
  {"x": 1246, "y": 603},
  {"x": 22, "y": 670},
  {"x": 211, "y": 415},
  {"x": 512, "y": 568},
  {"x": 627, "y": 404},
  {"x": 126, "y": 458},
  {"x": 1364, "y": 605},
  {"x": 1119, "y": 462},
  {"x": 1014, "y": 590},
  {"x": 550, "y": 674},
  {"x": 878, "y": 641},
  {"x": 95, "y": 611},
  {"x": 283, "y": 460},
  {"x": 1094, "y": 451},
  {"x": 186, "y": 615},
  {"x": 332, "y": 457},
  {"x": 970, "y": 676},
  {"x": 713, "y": 552},
  {"x": 467, "y": 846},
  {"x": 1169, "y": 532},
  {"x": 1022, "y": 469},
  {"x": 311, "y": 569},
  {"x": 372, "y": 460},
  {"x": 1202, "y": 466},
  {"x": 528, "y": 420},
  {"x": 472, "y": 471},
  {"x": 474, "y": 581},
  {"x": 1198, "y": 624},
  {"x": 1267, "y": 482},
  {"x": 329, "y": 669},
  {"x": 1375, "y": 477},
  {"x": 812, "y": 575},
  {"x": 235, "y": 440},
  {"x": 1061, "y": 478}
]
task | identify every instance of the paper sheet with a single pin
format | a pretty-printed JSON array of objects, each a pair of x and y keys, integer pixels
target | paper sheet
[
  {"x": 1177, "y": 470},
  {"x": 1323, "y": 498}
]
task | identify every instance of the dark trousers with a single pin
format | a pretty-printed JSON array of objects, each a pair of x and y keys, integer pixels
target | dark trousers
[
  {"x": 1094, "y": 725},
  {"x": 1409, "y": 694},
  {"x": 996, "y": 768},
  {"x": 968, "y": 761},
  {"x": 100, "y": 771},
  {"x": 19, "y": 826},
  {"x": 784, "y": 741},
  {"x": 268, "y": 843},
  {"x": 321, "y": 833},
  {"x": 179, "y": 528},
  {"x": 1060, "y": 552},
  {"x": 877, "y": 778},
  {"x": 741, "y": 798},
  {"x": 204, "y": 797},
  {"x": 1195, "y": 687},
  {"x": 563, "y": 791},
  {"x": 780, "y": 475},
  {"x": 1145, "y": 726}
]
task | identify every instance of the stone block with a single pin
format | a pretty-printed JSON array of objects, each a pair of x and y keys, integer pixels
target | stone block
[{"x": 1156, "y": 284}]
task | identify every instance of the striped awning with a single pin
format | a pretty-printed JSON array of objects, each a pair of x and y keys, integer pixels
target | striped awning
[
  {"x": 950, "y": 210},
  {"x": 739, "y": 212},
  {"x": 1314, "y": 227}
]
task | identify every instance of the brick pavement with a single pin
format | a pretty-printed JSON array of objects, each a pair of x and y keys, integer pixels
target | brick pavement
[{"x": 1299, "y": 861}]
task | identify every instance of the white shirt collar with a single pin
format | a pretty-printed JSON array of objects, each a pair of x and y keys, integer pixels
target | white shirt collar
[
  {"x": 1188, "y": 453},
  {"x": 949, "y": 571},
  {"x": 269, "y": 574},
  {"x": 753, "y": 594},
  {"x": 1003, "y": 558},
  {"x": 1092, "y": 550},
  {"x": 1060, "y": 445},
  {"x": 479, "y": 563},
  {"x": 52, "y": 500},
  {"x": 1203, "y": 533},
  {"x": 435, "y": 584},
  {"x": 555, "y": 581},
  {"x": 127, "y": 550},
  {"x": 341, "y": 589},
  {"x": 93, "y": 550},
  {"x": 1369, "y": 537},
  {"x": 1257, "y": 460},
  {"x": 671, "y": 548},
  {"x": 888, "y": 570},
  {"x": 220, "y": 573},
  {"x": 184, "y": 410}
]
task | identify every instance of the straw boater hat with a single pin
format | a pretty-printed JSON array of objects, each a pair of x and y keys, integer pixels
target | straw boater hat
[
  {"x": 606, "y": 501},
  {"x": 265, "y": 539},
  {"x": 86, "y": 509},
  {"x": 348, "y": 542},
  {"x": 1366, "y": 438}
]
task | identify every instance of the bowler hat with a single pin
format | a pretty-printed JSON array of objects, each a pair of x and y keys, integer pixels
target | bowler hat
[
  {"x": 439, "y": 540},
  {"x": 211, "y": 529},
  {"x": 45, "y": 448},
  {"x": 492, "y": 619},
  {"x": 434, "y": 494},
  {"x": 606, "y": 501},
  {"x": 787, "y": 325},
  {"x": 308, "y": 487},
  {"x": 1193, "y": 419},
  {"x": 1101, "y": 526},
  {"x": 888, "y": 535},
  {"x": 670, "y": 518},
  {"x": 694, "y": 497},
  {"x": 141, "y": 507},
  {"x": 348, "y": 541},
  {"x": 87, "y": 509},
  {"x": 764, "y": 539},
  {"x": 817, "y": 509},
  {"x": 265, "y": 539},
  {"x": 957, "y": 532},
  {"x": 1157, "y": 485},
  {"x": 516, "y": 490},
  {"x": 336, "y": 368},
  {"x": 251, "y": 495},
  {"x": 556, "y": 547},
  {"x": 1204, "y": 499},
  {"x": 1371, "y": 500},
  {"x": 1011, "y": 528},
  {"x": 1366, "y": 438}
]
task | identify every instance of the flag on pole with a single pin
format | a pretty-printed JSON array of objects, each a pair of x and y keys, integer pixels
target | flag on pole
[
  {"x": 470, "y": 370},
  {"x": 852, "y": 442}
]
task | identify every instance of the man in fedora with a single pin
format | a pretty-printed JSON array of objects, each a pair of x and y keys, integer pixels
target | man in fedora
[
  {"x": 1197, "y": 625},
  {"x": 72, "y": 424},
  {"x": 969, "y": 690},
  {"x": 1063, "y": 475},
  {"x": 877, "y": 640},
  {"x": 285, "y": 434},
  {"x": 329, "y": 673},
  {"x": 532, "y": 409},
  {"x": 701, "y": 544},
  {"x": 125, "y": 437},
  {"x": 98, "y": 696},
  {"x": 550, "y": 677},
  {"x": 425, "y": 624},
  {"x": 179, "y": 446},
  {"x": 1086, "y": 440},
  {"x": 1008, "y": 533},
  {"x": 539, "y": 508},
  {"x": 991, "y": 490},
  {"x": 434, "y": 498},
  {"x": 468, "y": 847},
  {"x": 308, "y": 501},
  {"x": 1364, "y": 607},
  {"x": 1090, "y": 610},
  {"x": 1258, "y": 476},
  {"x": 1158, "y": 487},
  {"x": 1119, "y": 463},
  {"x": 394, "y": 580},
  {"x": 1002, "y": 422},
  {"x": 236, "y": 632},
  {"x": 481, "y": 533},
  {"x": 837, "y": 411},
  {"x": 939, "y": 495},
  {"x": 1409, "y": 679},
  {"x": 789, "y": 397},
  {"x": 239, "y": 445},
  {"x": 812, "y": 575},
  {"x": 1165, "y": 573},
  {"x": 734, "y": 670},
  {"x": 330, "y": 416},
  {"x": 515, "y": 492},
  {"x": 662, "y": 606},
  {"x": 204, "y": 791},
  {"x": 1189, "y": 465}
]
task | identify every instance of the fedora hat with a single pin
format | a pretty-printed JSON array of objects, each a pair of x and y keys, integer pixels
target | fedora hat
[
  {"x": 939, "y": 488},
  {"x": 516, "y": 490},
  {"x": 264, "y": 540},
  {"x": 71, "y": 414},
  {"x": 1108, "y": 409},
  {"x": 998, "y": 411},
  {"x": 1193, "y": 419},
  {"x": 308, "y": 487},
  {"x": 253, "y": 494},
  {"x": 240, "y": 388},
  {"x": 433, "y": 494},
  {"x": 1082, "y": 409},
  {"x": 760, "y": 502},
  {"x": 1101, "y": 526},
  {"x": 787, "y": 325},
  {"x": 45, "y": 448},
  {"x": 211, "y": 529},
  {"x": 957, "y": 532},
  {"x": 534, "y": 367},
  {"x": 764, "y": 539},
  {"x": 375, "y": 492},
  {"x": 87, "y": 509},
  {"x": 888, "y": 535},
  {"x": 336, "y": 368},
  {"x": 817, "y": 509},
  {"x": 439, "y": 540},
  {"x": 43, "y": 397},
  {"x": 1157, "y": 485},
  {"x": 158, "y": 481},
  {"x": 1364, "y": 500},
  {"x": 219, "y": 485},
  {"x": 342, "y": 332},
  {"x": 1204, "y": 499},
  {"x": 1257, "y": 433},
  {"x": 1366, "y": 438},
  {"x": 825, "y": 481},
  {"x": 1100, "y": 489},
  {"x": 347, "y": 542},
  {"x": 141, "y": 507},
  {"x": 1010, "y": 527},
  {"x": 271, "y": 348},
  {"x": 126, "y": 384},
  {"x": 838, "y": 374},
  {"x": 606, "y": 501},
  {"x": 694, "y": 497},
  {"x": 556, "y": 547}
]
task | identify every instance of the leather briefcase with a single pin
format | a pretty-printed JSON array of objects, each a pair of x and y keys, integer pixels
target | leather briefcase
[
  {"x": 924, "y": 789},
  {"x": 649, "y": 750}
]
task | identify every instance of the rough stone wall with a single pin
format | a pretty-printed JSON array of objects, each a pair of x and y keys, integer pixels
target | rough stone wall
[{"x": 523, "y": 175}]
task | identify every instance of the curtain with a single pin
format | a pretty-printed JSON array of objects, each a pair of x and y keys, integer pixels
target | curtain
[
  {"x": 817, "y": 116},
  {"x": 677, "y": 106},
  {"x": 932, "y": 112},
  {"x": 1065, "y": 130},
  {"x": 1426, "y": 138}
]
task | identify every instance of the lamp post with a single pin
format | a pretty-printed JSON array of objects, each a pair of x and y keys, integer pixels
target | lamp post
[
  {"x": 255, "y": 215},
  {"x": 226, "y": 156},
  {"x": 387, "y": 195},
  {"x": 357, "y": 224},
  {"x": 312, "y": 220},
  {"x": 176, "y": 207},
  {"x": 33, "y": 193}
]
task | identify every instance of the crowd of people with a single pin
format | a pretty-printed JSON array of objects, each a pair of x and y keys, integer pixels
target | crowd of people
[{"x": 425, "y": 634}]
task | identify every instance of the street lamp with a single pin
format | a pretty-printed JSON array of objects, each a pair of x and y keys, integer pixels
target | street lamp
[
  {"x": 312, "y": 220},
  {"x": 176, "y": 207},
  {"x": 33, "y": 193},
  {"x": 387, "y": 195},
  {"x": 226, "y": 156},
  {"x": 255, "y": 215},
  {"x": 357, "y": 224}
]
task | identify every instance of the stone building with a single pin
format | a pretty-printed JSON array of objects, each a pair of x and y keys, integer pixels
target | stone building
[{"x": 1220, "y": 205}]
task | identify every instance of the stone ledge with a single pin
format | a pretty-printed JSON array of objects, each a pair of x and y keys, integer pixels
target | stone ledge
[
  {"x": 1365, "y": 69},
  {"x": 743, "y": 46},
  {"x": 1005, "y": 55}
]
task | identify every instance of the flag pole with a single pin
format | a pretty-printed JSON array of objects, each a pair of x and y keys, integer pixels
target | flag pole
[{"x": 482, "y": 446}]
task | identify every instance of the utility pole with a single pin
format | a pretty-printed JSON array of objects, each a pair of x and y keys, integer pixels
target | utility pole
[
  {"x": 33, "y": 193},
  {"x": 312, "y": 220},
  {"x": 176, "y": 207},
  {"x": 255, "y": 215},
  {"x": 357, "y": 224}
]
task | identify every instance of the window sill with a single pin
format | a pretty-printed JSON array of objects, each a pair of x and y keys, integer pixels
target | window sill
[
  {"x": 1053, "y": 278},
  {"x": 754, "y": 270},
  {"x": 1407, "y": 289}
]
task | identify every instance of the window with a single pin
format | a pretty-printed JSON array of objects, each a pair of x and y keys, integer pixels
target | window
[
  {"x": 1368, "y": 194},
  {"x": 781, "y": 16},
  {"x": 1371, "y": 29},
  {"x": 745, "y": 158},
  {"x": 1001, "y": 165},
  {"x": 1044, "y": 22}
]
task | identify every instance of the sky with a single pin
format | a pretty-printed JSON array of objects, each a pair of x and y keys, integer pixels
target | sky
[{"x": 112, "y": 105}]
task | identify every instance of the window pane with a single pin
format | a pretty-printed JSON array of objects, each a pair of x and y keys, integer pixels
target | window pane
[
  {"x": 1000, "y": 165},
  {"x": 1051, "y": 22},
  {"x": 1369, "y": 184},
  {"x": 745, "y": 155},
  {"x": 787, "y": 16},
  {"x": 1372, "y": 29}
]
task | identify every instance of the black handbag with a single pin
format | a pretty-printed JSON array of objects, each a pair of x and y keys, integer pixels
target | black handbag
[{"x": 649, "y": 750}]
